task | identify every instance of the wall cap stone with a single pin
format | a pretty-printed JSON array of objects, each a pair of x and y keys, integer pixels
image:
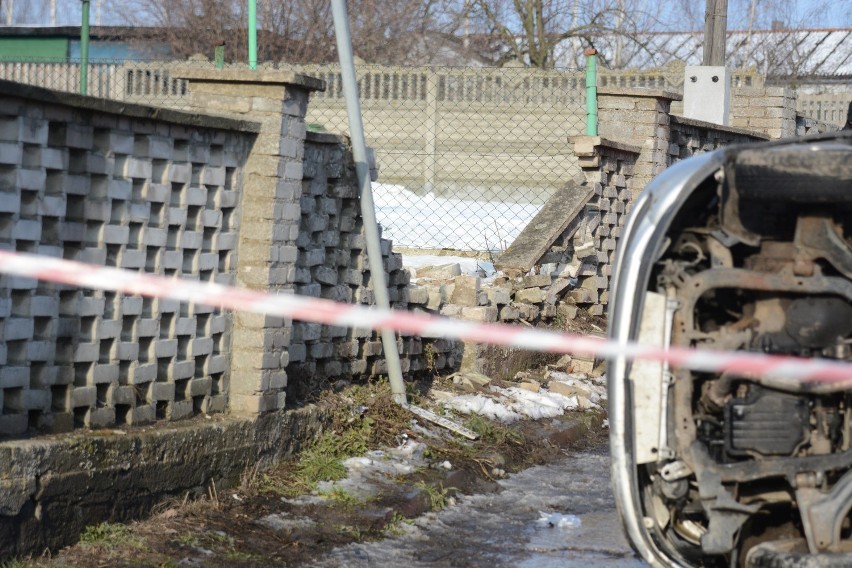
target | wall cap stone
[
  {"x": 325, "y": 137},
  {"x": 588, "y": 145},
  {"x": 713, "y": 126},
  {"x": 39, "y": 94},
  {"x": 249, "y": 76},
  {"x": 634, "y": 92}
]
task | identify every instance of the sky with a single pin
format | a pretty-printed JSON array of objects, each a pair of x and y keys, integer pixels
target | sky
[{"x": 798, "y": 13}]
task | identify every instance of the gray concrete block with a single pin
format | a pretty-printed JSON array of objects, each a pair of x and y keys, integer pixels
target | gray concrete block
[
  {"x": 143, "y": 374},
  {"x": 172, "y": 260},
  {"x": 11, "y": 153},
  {"x": 71, "y": 135},
  {"x": 54, "y": 158},
  {"x": 108, "y": 329},
  {"x": 84, "y": 396},
  {"x": 87, "y": 306},
  {"x": 14, "y": 377},
  {"x": 52, "y": 206},
  {"x": 87, "y": 352},
  {"x": 116, "y": 235},
  {"x": 201, "y": 346},
  {"x": 163, "y": 391},
  {"x": 133, "y": 259},
  {"x": 41, "y": 351},
  {"x": 105, "y": 373},
  {"x": 122, "y": 395},
  {"x": 182, "y": 370},
  {"x": 121, "y": 189},
  {"x": 114, "y": 142},
  {"x": 27, "y": 230},
  {"x": 211, "y": 218},
  {"x": 191, "y": 240},
  {"x": 127, "y": 351},
  {"x": 141, "y": 415},
  {"x": 131, "y": 305},
  {"x": 18, "y": 329},
  {"x": 165, "y": 348},
  {"x": 195, "y": 196},
  {"x": 101, "y": 417}
]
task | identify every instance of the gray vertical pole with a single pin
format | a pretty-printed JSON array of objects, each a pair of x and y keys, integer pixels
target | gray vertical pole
[
  {"x": 715, "y": 32},
  {"x": 362, "y": 169}
]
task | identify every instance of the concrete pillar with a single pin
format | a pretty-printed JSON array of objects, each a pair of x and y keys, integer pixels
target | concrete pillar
[
  {"x": 639, "y": 117},
  {"x": 269, "y": 216}
]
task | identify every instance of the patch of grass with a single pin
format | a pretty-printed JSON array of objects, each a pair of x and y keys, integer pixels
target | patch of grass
[
  {"x": 237, "y": 556},
  {"x": 395, "y": 525},
  {"x": 438, "y": 495},
  {"x": 110, "y": 535},
  {"x": 493, "y": 432},
  {"x": 18, "y": 563},
  {"x": 343, "y": 497},
  {"x": 351, "y": 531}
]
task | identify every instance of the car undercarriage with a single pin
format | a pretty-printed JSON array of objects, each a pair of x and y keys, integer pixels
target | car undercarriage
[{"x": 753, "y": 252}]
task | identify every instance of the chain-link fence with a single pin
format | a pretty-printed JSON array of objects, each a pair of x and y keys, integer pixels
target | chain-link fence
[{"x": 467, "y": 156}]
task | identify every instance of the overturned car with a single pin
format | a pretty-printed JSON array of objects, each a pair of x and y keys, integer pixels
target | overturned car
[{"x": 745, "y": 248}]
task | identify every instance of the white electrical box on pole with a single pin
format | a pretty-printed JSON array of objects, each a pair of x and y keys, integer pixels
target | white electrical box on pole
[{"x": 707, "y": 87}]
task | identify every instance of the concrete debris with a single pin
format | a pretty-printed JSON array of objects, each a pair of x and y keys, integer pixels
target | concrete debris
[
  {"x": 532, "y": 386},
  {"x": 471, "y": 380},
  {"x": 439, "y": 272}
]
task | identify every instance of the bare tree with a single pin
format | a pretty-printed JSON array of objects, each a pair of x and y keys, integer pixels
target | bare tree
[
  {"x": 296, "y": 30},
  {"x": 531, "y": 31}
]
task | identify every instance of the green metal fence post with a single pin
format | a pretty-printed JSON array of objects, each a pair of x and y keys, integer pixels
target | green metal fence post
[
  {"x": 84, "y": 50},
  {"x": 252, "y": 34},
  {"x": 219, "y": 55},
  {"x": 591, "y": 91}
]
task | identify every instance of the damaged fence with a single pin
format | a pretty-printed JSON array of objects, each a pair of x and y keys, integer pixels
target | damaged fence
[
  {"x": 468, "y": 155},
  {"x": 351, "y": 315}
]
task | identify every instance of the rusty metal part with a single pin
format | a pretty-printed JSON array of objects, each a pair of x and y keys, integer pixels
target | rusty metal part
[
  {"x": 817, "y": 237},
  {"x": 823, "y": 514}
]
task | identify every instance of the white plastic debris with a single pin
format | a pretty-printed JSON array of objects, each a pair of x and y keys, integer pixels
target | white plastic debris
[{"x": 558, "y": 521}]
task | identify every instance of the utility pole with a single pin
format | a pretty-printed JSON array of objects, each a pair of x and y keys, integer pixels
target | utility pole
[{"x": 715, "y": 32}]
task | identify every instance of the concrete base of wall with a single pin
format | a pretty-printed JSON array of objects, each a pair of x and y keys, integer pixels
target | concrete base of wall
[{"x": 51, "y": 489}]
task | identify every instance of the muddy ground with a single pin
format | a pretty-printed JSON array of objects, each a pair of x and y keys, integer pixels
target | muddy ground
[{"x": 289, "y": 516}]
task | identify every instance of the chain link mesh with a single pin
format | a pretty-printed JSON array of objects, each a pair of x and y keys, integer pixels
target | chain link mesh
[{"x": 467, "y": 156}]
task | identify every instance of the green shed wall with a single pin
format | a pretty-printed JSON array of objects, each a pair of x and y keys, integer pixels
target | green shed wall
[{"x": 36, "y": 48}]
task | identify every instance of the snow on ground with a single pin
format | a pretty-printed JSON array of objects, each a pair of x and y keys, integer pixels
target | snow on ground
[
  {"x": 430, "y": 221},
  {"x": 470, "y": 266},
  {"x": 512, "y": 404}
]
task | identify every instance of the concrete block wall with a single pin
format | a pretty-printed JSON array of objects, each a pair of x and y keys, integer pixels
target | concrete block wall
[
  {"x": 806, "y": 125},
  {"x": 105, "y": 183},
  {"x": 690, "y": 137},
  {"x": 271, "y": 217},
  {"x": 768, "y": 110},
  {"x": 638, "y": 117},
  {"x": 331, "y": 262},
  {"x": 610, "y": 169}
]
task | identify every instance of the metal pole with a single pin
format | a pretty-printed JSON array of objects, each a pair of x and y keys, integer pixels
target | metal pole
[
  {"x": 219, "y": 55},
  {"x": 252, "y": 34},
  {"x": 591, "y": 91},
  {"x": 362, "y": 169},
  {"x": 84, "y": 50}
]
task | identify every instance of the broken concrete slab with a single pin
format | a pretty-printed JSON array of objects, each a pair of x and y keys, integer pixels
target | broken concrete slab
[
  {"x": 439, "y": 272},
  {"x": 550, "y": 223}
]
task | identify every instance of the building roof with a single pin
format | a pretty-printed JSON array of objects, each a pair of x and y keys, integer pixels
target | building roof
[{"x": 777, "y": 54}]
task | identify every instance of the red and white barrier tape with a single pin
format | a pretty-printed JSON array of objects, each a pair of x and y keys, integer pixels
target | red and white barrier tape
[{"x": 350, "y": 315}]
